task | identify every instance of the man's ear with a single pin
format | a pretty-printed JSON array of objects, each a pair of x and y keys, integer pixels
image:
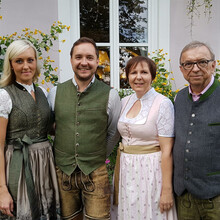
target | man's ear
[
  {"x": 97, "y": 62},
  {"x": 214, "y": 65}
]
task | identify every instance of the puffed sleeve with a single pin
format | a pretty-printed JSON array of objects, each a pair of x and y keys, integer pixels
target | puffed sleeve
[
  {"x": 51, "y": 97},
  {"x": 5, "y": 104},
  {"x": 44, "y": 90},
  {"x": 165, "y": 122}
]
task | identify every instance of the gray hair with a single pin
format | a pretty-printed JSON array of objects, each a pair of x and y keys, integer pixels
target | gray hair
[{"x": 195, "y": 44}]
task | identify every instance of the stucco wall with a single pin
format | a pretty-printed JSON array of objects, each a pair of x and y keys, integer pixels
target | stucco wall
[
  {"x": 180, "y": 35},
  {"x": 18, "y": 14}
]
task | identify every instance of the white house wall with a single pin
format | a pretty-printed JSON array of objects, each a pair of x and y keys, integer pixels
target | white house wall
[{"x": 18, "y": 14}]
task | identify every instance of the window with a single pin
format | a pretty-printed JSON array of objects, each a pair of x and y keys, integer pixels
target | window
[{"x": 121, "y": 29}]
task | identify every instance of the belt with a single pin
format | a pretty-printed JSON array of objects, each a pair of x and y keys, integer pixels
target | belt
[
  {"x": 20, "y": 158},
  {"x": 129, "y": 149}
]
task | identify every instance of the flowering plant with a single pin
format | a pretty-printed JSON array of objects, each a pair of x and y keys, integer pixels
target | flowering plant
[
  {"x": 162, "y": 82},
  {"x": 217, "y": 71},
  {"x": 43, "y": 43},
  {"x": 110, "y": 163}
]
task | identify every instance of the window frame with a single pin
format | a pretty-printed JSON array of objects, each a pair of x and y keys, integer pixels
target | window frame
[{"x": 158, "y": 34}]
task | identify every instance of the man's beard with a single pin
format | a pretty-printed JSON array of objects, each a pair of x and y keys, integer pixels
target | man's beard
[{"x": 84, "y": 78}]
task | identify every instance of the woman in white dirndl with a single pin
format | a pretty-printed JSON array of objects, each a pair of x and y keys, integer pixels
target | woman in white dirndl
[{"x": 146, "y": 125}]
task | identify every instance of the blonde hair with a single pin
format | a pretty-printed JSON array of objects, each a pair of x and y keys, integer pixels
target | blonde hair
[{"x": 14, "y": 49}]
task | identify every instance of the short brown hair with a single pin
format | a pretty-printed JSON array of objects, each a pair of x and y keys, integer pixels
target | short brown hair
[
  {"x": 133, "y": 62},
  {"x": 85, "y": 40}
]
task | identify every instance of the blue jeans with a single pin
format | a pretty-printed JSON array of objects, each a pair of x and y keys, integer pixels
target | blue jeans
[
  {"x": 89, "y": 192},
  {"x": 191, "y": 208}
]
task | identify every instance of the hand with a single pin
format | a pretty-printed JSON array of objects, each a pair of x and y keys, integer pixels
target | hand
[
  {"x": 6, "y": 201},
  {"x": 166, "y": 200}
]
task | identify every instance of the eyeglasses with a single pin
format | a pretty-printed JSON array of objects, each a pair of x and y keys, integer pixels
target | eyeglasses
[{"x": 200, "y": 64}]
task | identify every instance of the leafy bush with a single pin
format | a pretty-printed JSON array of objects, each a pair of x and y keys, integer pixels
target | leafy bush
[{"x": 162, "y": 82}]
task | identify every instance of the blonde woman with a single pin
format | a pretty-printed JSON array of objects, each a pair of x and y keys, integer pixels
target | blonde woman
[{"x": 28, "y": 184}]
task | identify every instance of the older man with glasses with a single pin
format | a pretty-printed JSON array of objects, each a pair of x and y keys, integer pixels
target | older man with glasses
[{"x": 197, "y": 136}]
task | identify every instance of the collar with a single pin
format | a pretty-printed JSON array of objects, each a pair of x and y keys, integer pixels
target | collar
[
  {"x": 91, "y": 82},
  {"x": 195, "y": 97},
  {"x": 146, "y": 95},
  {"x": 29, "y": 88}
]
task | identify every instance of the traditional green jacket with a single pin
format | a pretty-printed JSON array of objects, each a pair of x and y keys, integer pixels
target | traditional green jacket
[{"x": 81, "y": 127}]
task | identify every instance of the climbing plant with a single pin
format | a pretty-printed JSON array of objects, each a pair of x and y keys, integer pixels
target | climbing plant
[{"x": 194, "y": 8}]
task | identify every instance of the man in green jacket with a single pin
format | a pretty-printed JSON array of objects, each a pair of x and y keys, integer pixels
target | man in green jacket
[{"x": 86, "y": 114}]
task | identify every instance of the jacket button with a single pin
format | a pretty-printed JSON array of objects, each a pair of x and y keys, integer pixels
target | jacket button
[
  {"x": 77, "y": 155},
  {"x": 77, "y": 144}
]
